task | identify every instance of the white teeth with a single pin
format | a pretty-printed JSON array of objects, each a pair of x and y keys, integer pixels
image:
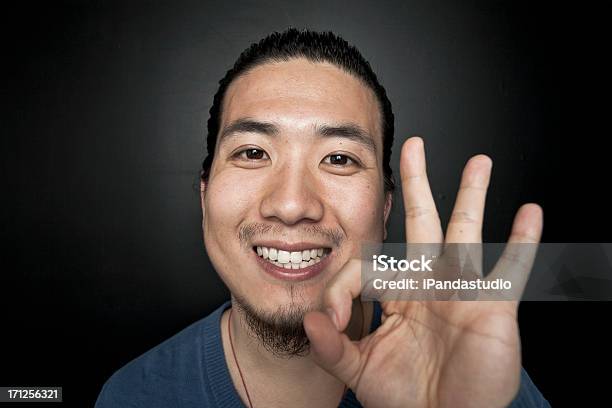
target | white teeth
[
  {"x": 291, "y": 260},
  {"x": 296, "y": 257},
  {"x": 283, "y": 256},
  {"x": 273, "y": 254}
]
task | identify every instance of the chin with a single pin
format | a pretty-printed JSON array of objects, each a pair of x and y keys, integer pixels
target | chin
[{"x": 272, "y": 298}]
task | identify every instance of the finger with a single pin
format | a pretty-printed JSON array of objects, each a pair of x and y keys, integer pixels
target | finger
[
  {"x": 340, "y": 291},
  {"x": 331, "y": 349},
  {"x": 465, "y": 224},
  {"x": 421, "y": 216},
  {"x": 519, "y": 254}
]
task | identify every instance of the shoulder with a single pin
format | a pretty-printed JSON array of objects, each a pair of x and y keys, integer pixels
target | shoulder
[
  {"x": 170, "y": 374},
  {"x": 528, "y": 395}
]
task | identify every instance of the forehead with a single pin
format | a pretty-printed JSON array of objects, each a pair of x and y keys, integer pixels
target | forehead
[{"x": 299, "y": 93}]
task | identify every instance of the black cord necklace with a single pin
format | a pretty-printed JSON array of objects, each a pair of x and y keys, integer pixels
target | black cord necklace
[{"x": 246, "y": 390}]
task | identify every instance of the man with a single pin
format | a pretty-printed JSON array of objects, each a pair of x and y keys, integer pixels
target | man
[{"x": 297, "y": 178}]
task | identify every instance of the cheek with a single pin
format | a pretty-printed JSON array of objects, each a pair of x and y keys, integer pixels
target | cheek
[
  {"x": 359, "y": 208},
  {"x": 228, "y": 200}
]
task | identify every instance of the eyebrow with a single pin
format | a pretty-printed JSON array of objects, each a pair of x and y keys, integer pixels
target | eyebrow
[{"x": 349, "y": 130}]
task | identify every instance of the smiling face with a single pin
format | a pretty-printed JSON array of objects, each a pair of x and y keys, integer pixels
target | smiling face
[{"x": 296, "y": 184}]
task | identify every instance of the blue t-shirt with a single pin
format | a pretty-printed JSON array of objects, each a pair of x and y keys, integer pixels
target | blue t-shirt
[{"x": 189, "y": 370}]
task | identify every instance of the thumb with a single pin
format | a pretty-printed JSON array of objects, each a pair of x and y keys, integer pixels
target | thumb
[{"x": 332, "y": 350}]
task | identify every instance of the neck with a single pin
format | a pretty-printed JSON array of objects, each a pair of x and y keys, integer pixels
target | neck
[{"x": 286, "y": 381}]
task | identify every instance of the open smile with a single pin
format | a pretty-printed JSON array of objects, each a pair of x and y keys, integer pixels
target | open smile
[{"x": 301, "y": 263}]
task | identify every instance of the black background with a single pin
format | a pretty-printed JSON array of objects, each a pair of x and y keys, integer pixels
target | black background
[{"x": 103, "y": 129}]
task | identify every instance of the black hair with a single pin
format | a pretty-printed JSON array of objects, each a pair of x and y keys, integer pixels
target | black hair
[{"x": 316, "y": 47}]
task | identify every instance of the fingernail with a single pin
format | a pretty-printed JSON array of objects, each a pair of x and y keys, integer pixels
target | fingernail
[{"x": 333, "y": 317}]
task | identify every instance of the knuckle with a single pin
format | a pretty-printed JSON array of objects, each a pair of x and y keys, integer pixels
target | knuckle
[
  {"x": 511, "y": 256},
  {"x": 523, "y": 237},
  {"x": 330, "y": 295},
  {"x": 418, "y": 212},
  {"x": 516, "y": 259},
  {"x": 463, "y": 217},
  {"x": 409, "y": 178},
  {"x": 472, "y": 187}
]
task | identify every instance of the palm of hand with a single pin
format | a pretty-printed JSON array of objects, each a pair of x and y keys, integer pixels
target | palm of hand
[{"x": 444, "y": 353}]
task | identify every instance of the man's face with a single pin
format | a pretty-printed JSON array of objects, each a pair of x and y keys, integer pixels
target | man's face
[{"x": 304, "y": 190}]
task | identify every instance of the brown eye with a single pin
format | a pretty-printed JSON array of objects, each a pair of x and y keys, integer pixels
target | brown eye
[
  {"x": 254, "y": 154},
  {"x": 249, "y": 157},
  {"x": 339, "y": 160},
  {"x": 251, "y": 154}
]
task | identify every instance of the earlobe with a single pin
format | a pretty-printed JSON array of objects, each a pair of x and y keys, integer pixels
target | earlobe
[{"x": 387, "y": 211}]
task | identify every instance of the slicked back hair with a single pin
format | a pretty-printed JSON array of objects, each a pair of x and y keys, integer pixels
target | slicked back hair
[{"x": 316, "y": 47}]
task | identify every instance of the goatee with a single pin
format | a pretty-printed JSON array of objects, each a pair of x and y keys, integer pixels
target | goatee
[{"x": 280, "y": 332}]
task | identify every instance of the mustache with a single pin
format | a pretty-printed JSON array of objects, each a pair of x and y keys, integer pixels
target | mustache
[{"x": 247, "y": 233}]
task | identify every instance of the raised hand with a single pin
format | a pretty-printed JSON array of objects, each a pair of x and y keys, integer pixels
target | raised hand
[{"x": 432, "y": 353}]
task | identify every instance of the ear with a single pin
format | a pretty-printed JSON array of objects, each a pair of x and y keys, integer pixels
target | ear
[
  {"x": 202, "y": 196},
  {"x": 388, "y": 205}
]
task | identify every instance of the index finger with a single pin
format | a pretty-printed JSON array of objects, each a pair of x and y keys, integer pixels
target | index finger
[
  {"x": 340, "y": 291},
  {"x": 421, "y": 216}
]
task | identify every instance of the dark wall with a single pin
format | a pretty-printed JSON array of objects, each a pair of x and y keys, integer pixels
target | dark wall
[{"x": 103, "y": 127}]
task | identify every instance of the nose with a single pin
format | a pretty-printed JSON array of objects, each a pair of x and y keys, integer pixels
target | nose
[{"x": 291, "y": 196}]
